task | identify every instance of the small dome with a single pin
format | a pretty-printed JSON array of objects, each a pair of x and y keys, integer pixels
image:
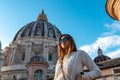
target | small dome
[
  {"x": 101, "y": 57},
  {"x": 37, "y": 59},
  {"x": 39, "y": 28}
]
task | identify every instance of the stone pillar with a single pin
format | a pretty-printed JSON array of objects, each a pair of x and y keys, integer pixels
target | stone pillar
[
  {"x": 28, "y": 53},
  {"x": 10, "y": 60},
  {"x": 13, "y": 54},
  {"x": 45, "y": 51}
]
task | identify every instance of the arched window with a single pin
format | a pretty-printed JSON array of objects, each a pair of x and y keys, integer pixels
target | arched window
[
  {"x": 50, "y": 57},
  {"x": 23, "y": 56},
  {"x": 38, "y": 75}
]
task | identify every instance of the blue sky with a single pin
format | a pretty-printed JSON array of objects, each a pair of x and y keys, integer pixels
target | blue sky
[{"x": 86, "y": 20}]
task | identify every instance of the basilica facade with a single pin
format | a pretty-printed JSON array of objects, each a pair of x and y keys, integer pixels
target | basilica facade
[{"x": 32, "y": 54}]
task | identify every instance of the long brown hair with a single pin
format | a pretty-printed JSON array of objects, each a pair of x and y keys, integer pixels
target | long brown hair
[{"x": 72, "y": 47}]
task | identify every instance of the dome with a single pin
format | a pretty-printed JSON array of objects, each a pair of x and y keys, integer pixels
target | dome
[
  {"x": 39, "y": 28},
  {"x": 37, "y": 59},
  {"x": 101, "y": 57}
]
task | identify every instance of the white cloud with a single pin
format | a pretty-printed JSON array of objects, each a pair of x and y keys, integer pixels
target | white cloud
[
  {"x": 114, "y": 28},
  {"x": 103, "y": 42},
  {"x": 114, "y": 54},
  {"x": 108, "y": 40}
]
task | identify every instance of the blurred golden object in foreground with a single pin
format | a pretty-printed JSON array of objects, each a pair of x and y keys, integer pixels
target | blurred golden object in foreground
[{"x": 113, "y": 8}]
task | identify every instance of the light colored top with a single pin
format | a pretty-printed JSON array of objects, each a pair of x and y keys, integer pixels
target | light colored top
[{"x": 74, "y": 64}]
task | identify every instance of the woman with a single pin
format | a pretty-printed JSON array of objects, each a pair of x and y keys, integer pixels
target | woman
[{"x": 72, "y": 61}]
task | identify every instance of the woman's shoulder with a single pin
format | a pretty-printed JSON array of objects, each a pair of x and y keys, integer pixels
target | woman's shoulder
[{"x": 82, "y": 52}]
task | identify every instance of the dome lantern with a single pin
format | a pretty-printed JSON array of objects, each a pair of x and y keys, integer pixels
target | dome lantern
[
  {"x": 100, "y": 52},
  {"x": 42, "y": 16}
]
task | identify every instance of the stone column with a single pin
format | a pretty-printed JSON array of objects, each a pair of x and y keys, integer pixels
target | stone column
[
  {"x": 13, "y": 54},
  {"x": 45, "y": 52},
  {"x": 10, "y": 60},
  {"x": 28, "y": 53}
]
